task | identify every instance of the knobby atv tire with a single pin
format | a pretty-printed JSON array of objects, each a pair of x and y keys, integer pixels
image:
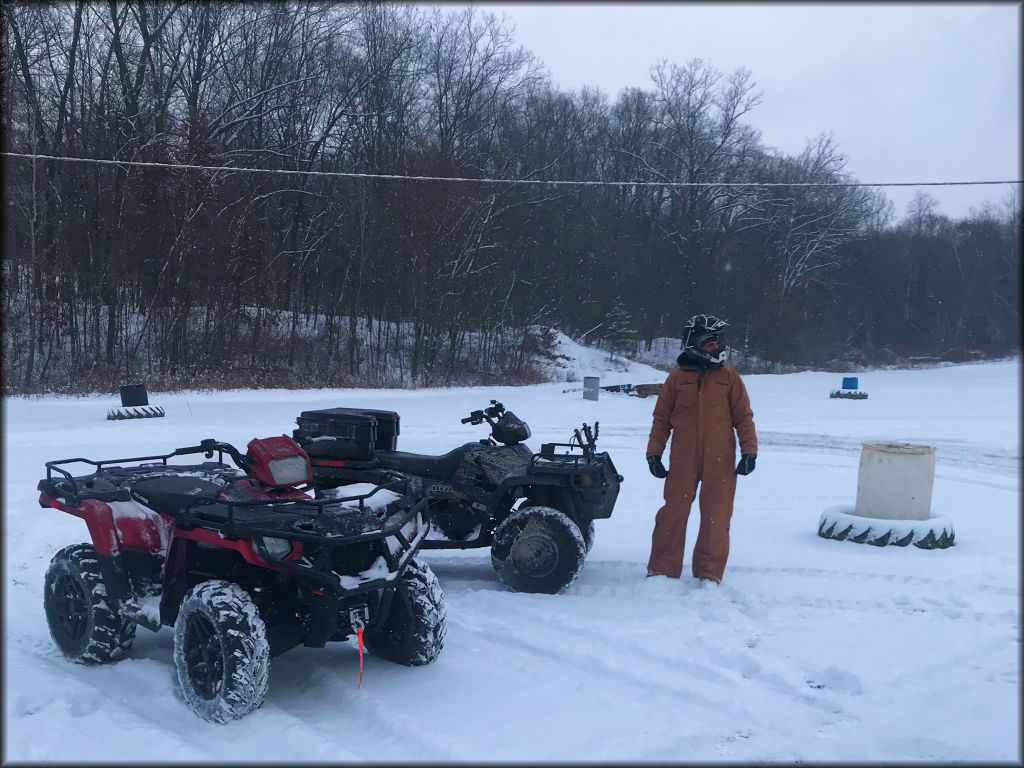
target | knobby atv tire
[
  {"x": 843, "y": 524},
  {"x": 588, "y": 535},
  {"x": 538, "y": 549},
  {"x": 413, "y": 632},
  {"x": 221, "y": 652},
  {"x": 83, "y": 623}
]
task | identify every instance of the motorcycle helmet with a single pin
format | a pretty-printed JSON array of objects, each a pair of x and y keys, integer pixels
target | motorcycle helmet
[
  {"x": 699, "y": 330},
  {"x": 510, "y": 429}
]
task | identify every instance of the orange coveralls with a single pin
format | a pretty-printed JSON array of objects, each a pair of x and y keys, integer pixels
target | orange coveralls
[{"x": 701, "y": 408}]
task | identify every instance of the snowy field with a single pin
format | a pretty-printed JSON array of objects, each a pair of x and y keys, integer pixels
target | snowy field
[{"x": 811, "y": 650}]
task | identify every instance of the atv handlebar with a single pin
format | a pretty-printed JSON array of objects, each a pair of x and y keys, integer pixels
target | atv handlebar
[
  {"x": 209, "y": 445},
  {"x": 494, "y": 411},
  {"x": 474, "y": 418}
]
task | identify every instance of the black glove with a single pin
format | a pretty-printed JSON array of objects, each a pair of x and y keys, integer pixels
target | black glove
[
  {"x": 656, "y": 467},
  {"x": 746, "y": 465}
]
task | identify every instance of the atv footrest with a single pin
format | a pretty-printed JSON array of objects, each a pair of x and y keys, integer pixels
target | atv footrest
[{"x": 133, "y": 611}]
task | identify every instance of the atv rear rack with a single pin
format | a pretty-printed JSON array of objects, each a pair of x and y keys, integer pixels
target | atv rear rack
[{"x": 69, "y": 486}]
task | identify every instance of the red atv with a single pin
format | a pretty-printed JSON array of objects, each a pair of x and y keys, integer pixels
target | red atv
[{"x": 241, "y": 562}]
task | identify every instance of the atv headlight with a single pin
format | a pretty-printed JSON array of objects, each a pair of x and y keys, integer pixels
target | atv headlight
[{"x": 273, "y": 547}]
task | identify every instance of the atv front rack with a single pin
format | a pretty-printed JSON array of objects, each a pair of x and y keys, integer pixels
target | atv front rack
[{"x": 405, "y": 523}]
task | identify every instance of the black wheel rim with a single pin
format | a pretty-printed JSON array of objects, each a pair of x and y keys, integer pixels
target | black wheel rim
[
  {"x": 71, "y": 609},
  {"x": 204, "y": 657},
  {"x": 535, "y": 554}
]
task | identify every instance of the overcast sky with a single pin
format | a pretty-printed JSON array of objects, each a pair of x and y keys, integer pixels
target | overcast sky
[{"x": 910, "y": 92}]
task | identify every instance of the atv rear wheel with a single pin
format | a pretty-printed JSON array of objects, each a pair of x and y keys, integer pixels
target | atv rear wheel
[
  {"x": 221, "y": 652},
  {"x": 84, "y": 624},
  {"x": 413, "y": 631},
  {"x": 538, "y": 549}
]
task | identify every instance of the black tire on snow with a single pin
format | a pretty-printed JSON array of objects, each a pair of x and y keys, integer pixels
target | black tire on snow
[
  {"x": 538, "y": 549},
  {"x": 413, "y": 632},
  {"x": 83, "y": 623},
  {"x": 843, "y": 524},
  {"x": 588, "y": 536},
  {"x": 221, "y": 652}
]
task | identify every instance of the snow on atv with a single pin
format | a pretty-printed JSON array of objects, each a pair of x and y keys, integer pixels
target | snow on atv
[
  {"x": 241, "y": 562},
  {"x": 535, "y": 511}
]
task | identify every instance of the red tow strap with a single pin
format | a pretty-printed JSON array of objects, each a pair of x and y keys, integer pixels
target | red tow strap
[{"x": 359, "y": 639}]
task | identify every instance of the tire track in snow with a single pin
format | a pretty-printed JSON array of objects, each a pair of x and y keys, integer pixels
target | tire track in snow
[
  {"x": 138, "y": 692},
  {"x": 128, "y": 690},
  {"x": 844, "y": 576},
  {"x": 647, "y": 669},
  {"x": 318, "y": 687},
  {"x": 953, "y": 453},
  {"x": 512, "y": 643},
  {"x": 373, "y": 713},
  {"x": 892, "y": 594}
]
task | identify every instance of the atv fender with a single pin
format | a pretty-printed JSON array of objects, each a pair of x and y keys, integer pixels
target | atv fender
[
  {"x": 543, "y": 491},
  {"x": 116, "y": 525},
  {"x": 99, "y": 519}
]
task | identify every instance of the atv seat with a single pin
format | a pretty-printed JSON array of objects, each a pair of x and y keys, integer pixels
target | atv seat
[
  {"x": 172, "y": 495},
  {"x": 440, "y": 467}
]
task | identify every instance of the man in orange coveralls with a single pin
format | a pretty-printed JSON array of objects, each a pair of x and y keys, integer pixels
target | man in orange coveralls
[{"x": 701, "y": 403}]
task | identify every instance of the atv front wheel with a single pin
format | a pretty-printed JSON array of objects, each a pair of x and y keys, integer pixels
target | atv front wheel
[
  {"x": 86, "y": 626},
  {"x": 538, "y": 549},
  {"x": 455, "y": 521},
  {"x": 221, "y": 652},
  {"x": 588, "y": 536},
  {"x": 413, "y": 632}
]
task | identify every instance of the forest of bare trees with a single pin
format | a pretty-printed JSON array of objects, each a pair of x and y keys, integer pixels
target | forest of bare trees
[{"x": 218, "y": 277}]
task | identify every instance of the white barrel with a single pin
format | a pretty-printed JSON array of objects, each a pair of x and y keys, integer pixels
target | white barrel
[{"x": 895, "y": 481}]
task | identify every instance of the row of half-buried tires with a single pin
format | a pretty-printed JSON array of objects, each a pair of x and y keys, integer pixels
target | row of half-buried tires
[{"x": 221, "y": 653}]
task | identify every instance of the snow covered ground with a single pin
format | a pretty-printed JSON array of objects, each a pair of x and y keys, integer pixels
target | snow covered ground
[{"x": 811, "y": 650}]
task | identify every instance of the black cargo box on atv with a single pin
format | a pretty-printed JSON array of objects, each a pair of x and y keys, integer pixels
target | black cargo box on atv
[{"x": 347, "y": 433}]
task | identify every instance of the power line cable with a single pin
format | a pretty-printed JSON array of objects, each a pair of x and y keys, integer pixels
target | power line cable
[{"x": 399, "y": 177}]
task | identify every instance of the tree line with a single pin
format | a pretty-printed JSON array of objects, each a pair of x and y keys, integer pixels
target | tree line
[{"x": 217, "y": 277}]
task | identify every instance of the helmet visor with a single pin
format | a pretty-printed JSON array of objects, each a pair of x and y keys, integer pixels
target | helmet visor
[{"x": 702, "y": 341}]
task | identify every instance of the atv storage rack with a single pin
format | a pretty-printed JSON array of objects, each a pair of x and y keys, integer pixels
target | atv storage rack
[{"x": 347, "y": 433}]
